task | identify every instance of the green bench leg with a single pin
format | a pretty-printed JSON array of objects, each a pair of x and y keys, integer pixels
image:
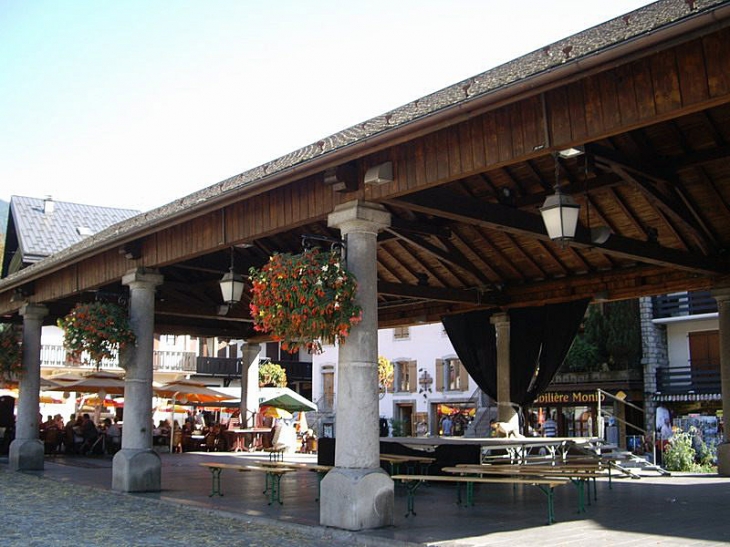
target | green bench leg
[
  {"x": 411, "y": 487},
  {"x": 274, "y": 487},
  {"x": 215, "y": 475},
  {"x": 548, "y": 491},
  {"x": 579, "y": 485},
  {"x": 320, "y": 476}
]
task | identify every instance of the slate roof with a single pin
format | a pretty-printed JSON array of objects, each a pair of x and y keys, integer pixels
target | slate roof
[{"x": 42, "y": 234}]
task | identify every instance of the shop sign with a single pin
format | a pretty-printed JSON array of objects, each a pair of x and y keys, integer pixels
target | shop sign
[{"x": 571, "y": 398}]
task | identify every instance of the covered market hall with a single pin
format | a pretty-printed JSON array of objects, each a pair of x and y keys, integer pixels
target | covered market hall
[{"x": 443, "y": 206}]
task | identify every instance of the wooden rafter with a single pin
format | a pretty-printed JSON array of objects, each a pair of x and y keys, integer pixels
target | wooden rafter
[{"x": 439, "y": 202}]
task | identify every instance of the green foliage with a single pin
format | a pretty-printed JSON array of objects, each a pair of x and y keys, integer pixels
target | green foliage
[
  {"x": 588, "y": 352},
  {"x": 596, "y": 331},
  {"x": 611, "y": 339},
  {"x": 687, "y": 452},
  {"x": 623, "y": 340},
  {"x": 583, "y": 356},
  {"x": 398, "y": 427},
  {"x": 11, "y": 357},
  {"x": 272, "y": 375},
  {"x": 679, "y": 454}
]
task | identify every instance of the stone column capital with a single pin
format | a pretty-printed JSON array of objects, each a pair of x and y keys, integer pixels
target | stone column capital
[
  {"x": 359, "y": 216},
  {"x": 721, "y": 294},
  {"x": 499, "y": 319},
  {"x": 33, "y": 311},
  {"x": 141, "y": 278}
]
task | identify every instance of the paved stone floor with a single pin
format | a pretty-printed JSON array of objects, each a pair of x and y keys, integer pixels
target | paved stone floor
[{"x": 71, "y": 503}]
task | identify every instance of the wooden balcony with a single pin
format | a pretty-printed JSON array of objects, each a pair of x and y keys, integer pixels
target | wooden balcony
[
  {"x": 219, "y": 366},
  {"x": 682, "y": 381},
  {"x": 684, "y": 304},
  {"x": 54, "y": 356}
]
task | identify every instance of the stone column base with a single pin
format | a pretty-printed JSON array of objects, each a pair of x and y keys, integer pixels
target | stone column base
[
  {"x": 26, "y": 455},
  {"x": 723, "y": 459},
  {"x": 356, "y": 499},
  {"x": 136, "y": 470}
]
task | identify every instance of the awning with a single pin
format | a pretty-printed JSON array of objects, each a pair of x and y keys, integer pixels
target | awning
[
  {"x": 688, "y": 397},
  {"x": 283, "y": 397}
]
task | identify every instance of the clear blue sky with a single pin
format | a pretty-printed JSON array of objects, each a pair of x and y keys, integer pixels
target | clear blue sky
[{"x": 136, "y": 103}]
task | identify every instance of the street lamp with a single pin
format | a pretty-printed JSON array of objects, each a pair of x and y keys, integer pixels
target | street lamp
[
  {"x": 231, "y": 285},
  {"x": 560, "y": 213}
]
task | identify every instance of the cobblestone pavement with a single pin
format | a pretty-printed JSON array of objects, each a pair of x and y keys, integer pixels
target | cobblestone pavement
[
  {"x": 56, "y": 514},
  {"x": 71, "y": 503}
]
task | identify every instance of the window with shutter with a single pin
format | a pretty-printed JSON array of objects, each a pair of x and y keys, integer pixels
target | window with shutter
[
  {"x": 412, "y": 377},
  {"x": 439, "y": 374},
  {"x": 463, "y": 378},
  {"x": 401, "y": 333}
]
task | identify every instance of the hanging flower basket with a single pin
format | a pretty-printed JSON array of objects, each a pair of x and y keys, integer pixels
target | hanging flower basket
[
  {"x": 11, "y": 353},
  {"x": 303, "y": 300},
  {"x": 96, "y": 331}
]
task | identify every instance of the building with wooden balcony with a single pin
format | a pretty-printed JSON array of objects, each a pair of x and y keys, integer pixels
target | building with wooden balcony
[{"x": 682, "y": 359}]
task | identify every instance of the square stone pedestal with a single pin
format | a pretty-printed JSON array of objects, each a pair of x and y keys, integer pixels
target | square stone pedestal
[{"x": 356, "y": 499}]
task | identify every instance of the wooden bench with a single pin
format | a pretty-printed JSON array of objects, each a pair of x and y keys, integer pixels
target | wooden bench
[
  {"x": 321, "y": 470},
  {"x": 395, "y": 461},
  {"x": 579, "y": 475},
  {"x": 546, "y": 486},
  {"x": 273, "y": 479},
  {"x": 215, "y": 472},
  {"x": 275, "y": 454}
]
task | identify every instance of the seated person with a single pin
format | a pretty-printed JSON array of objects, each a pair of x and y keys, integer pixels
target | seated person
[
  {"x": 113, "y": 435},
  {"x": 89, "y": 434}
]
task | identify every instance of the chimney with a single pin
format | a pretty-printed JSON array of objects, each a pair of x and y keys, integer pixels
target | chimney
[{"x": 48, "y": 205}]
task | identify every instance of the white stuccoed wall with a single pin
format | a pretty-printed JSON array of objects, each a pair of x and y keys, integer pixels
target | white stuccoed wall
[{"x": 426, "y": 344}]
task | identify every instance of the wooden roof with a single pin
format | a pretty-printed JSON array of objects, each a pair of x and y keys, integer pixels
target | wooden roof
[{"x": 646, "y": 95}]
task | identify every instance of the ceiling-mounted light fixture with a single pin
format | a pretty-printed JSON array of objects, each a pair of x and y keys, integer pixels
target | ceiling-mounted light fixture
[
  {"x": 231, "y": 285},
  {"x": 560, "y": 213},
  {"x": 571, "y": 152}
]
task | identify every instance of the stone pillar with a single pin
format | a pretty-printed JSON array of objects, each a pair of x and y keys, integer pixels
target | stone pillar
[
  {"x": 136, "y": 467},
  {"x": 357, "y": 494},
  {"x": 249, "y": 384},
  {"x": 723, "y": 307},
  {"x": 654, "y": 355},
  {"x": 26, "y": 451},
  {"x": 505, "y": 411}
]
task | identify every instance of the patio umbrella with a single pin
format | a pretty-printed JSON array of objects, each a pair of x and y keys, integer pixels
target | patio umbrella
[
  {"x": 95, "y": 400},
  {"x": 13, "y": 384},
  {"x": 285, "y": 398},
  {"x": 100, "y": 382},
  {"x": 278, "y": 413},
  {"x": 186, "y": 391}
]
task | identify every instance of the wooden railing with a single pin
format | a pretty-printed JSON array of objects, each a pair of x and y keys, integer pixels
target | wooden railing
[
  {"x": 219, "y": 366},
  {"x": 54, "y": 356},
  {"x": 687, "y": 380},
  {"x": 683, "y": 304}
]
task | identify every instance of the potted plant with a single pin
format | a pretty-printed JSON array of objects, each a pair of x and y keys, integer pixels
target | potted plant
[
  {"x": 305, "y": 299},
  {"x": 11, "y": 353},
  {"x": 95, "y": 331}
]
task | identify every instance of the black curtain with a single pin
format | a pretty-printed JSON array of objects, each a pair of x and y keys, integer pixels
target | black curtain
[{"x": 540, "y": 338}]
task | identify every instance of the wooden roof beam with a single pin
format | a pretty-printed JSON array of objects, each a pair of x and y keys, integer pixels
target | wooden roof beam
[
  {"x": 438, "y": 294},
  {"x": 439, "y": 202}
]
